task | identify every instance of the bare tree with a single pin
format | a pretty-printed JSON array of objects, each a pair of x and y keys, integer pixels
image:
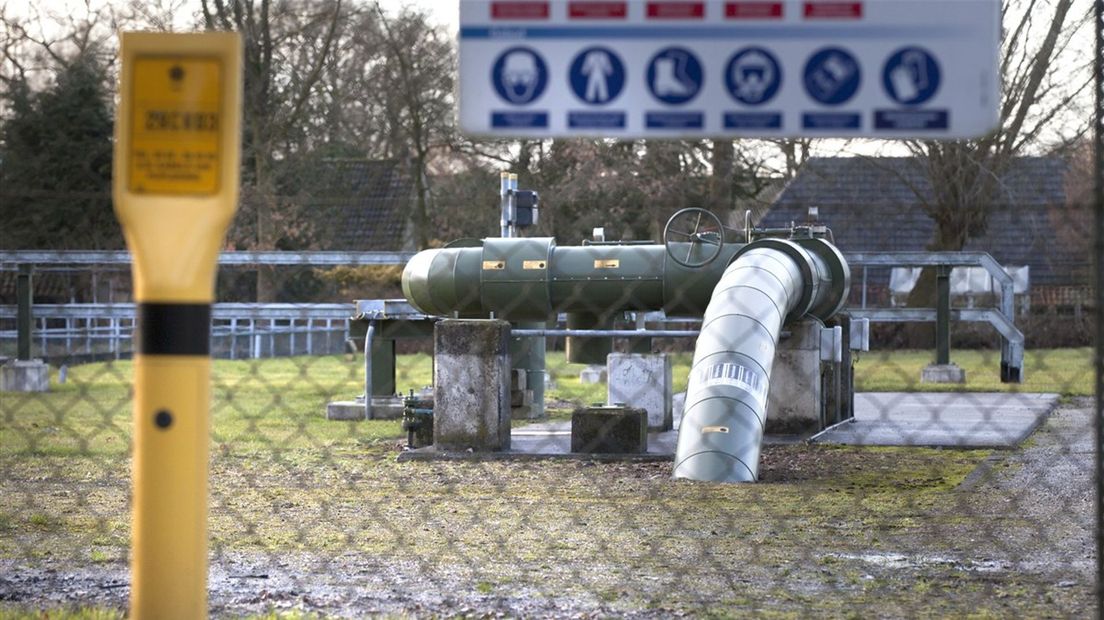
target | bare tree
[
  {"x": 964, "y": 175},
  {"x": 287, "y": 46},
  {"x": 36, "y": 46},
  {"x": 412, "y": 83},
  {"x": 1043, "y": 80}
]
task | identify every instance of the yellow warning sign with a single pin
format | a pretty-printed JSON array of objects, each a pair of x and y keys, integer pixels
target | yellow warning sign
[{"x": 175, "y": 125}]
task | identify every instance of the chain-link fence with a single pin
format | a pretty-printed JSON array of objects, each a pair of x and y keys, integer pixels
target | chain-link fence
[{"x": 899, "y": 497}]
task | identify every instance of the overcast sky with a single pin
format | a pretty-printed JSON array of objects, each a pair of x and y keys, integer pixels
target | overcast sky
[{"x": 446, "y": 12}]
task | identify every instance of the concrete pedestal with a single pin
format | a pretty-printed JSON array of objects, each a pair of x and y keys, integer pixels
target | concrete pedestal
[
  {"x": 794, "y": 400},
  {"x": 642, "y": 380},
  {"x": 609, "y": 430},
  {"x": 942, "y": 373},
  {"x": 383, "y": 408},
  {"x": 593, "y": 374},
  {"x": 471, "y": 385},
  {"x": 522, "y": 399},
  {"x": 25, "y": 376}
]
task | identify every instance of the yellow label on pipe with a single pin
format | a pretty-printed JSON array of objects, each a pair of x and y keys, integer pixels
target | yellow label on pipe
[
  {"x": 494, "y": 265},
  {"x": 608, "y": 263},
  {"x": 533, "y": 264},
  {"x": 175, "y": 124}
]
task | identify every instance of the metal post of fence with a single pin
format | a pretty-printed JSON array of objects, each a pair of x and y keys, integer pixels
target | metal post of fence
[
  {"x": 1098, "y": 208},
  {"x": 368, "y": 369},
  {"x": 233, "y": 339},
  {"x": 943, "y": 315},
  {"x": 24, "y": 318},
  {"x": 864, "y": 287}
]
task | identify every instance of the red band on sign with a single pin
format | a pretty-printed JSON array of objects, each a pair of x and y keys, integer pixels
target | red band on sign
[
  {"x": 833, "y": 10},
  {"x": 753, "y": 10},
  {"x": 676, "y": 10},
  {"x": 519, "y": 10},
  {"x": 582, "y": 9}
]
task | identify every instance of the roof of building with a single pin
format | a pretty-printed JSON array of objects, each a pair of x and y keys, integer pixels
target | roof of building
[
  {"x": 876, "y": 205},
  {"x": 360, "y": 204}
]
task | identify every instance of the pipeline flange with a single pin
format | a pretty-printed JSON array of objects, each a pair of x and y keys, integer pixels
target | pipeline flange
[
  {"x": 804, "y": 264},
  {"x": 832, "y": 300}
]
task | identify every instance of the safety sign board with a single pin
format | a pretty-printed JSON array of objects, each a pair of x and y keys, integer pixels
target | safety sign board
[
  {"x": 175, "y": 128},
  {"x": 756, "y": 68}
]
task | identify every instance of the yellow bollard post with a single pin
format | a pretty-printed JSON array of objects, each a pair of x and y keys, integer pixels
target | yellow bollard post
[{"x": 177, "y": 158}]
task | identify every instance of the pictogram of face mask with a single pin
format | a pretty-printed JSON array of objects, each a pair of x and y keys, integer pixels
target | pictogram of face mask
[{"x": 520, "y": 76}]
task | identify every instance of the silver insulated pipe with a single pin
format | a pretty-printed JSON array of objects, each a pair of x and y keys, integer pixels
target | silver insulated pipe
[{"x": 768, "y": 283}]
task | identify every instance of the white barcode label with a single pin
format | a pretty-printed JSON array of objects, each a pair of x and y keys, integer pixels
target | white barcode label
[{"x": 728, "y": 373}]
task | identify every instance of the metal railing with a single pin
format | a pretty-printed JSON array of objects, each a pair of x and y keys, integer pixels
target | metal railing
[
  {"x": 98, "y": 331},
  {"x": 10, "y": 260},
  {"x": 1001, "y": 318}
]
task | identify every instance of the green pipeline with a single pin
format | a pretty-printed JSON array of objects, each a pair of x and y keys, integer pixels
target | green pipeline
[
  {"x": 531, "y": 279},
  {"x": 745, "y": 297}
]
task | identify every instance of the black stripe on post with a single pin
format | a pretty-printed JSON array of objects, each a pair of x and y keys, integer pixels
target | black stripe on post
[{"x": 174, "y": 329}]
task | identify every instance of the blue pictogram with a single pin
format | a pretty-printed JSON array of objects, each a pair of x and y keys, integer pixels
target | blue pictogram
[
  {"x": 519, "y": 75},
  {"x": 753, "y": 76},
  {"x": 832, "y": 76},
  {"x": 597, "y": 75},
  {"x": 911, "y": 76},
  {"x": 675, "y": 75}
]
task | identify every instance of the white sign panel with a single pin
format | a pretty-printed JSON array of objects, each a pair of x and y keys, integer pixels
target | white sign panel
[{"x": 694, "y": 68}]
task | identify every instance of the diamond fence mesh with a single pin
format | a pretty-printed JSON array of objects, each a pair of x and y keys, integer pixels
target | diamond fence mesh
[{"x": 933, "y": 500}]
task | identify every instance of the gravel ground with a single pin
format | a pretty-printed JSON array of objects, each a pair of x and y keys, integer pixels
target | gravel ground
[{"x": 828, "y": 531}]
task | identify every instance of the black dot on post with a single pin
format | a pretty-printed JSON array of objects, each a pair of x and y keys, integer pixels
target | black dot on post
[
  {"x": 163, "y": 419},
  {"x": 176, "y": 73}
]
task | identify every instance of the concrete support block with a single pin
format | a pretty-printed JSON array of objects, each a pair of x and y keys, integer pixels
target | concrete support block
[
  {"x": 471, "y": 385},
  {"x": 518, "y": 379},
  {"x": 609, "y": 430},
  {"x": 387, "y": 407},
  {"x": 383, "y": 408},
  {"x": 345, "y": 410},
  {"x": 25, "y": 376},
  {"x": 794, "y": 401},
  {"x": 593, "y": 374},
  {"x": 943, "y": 373},
  {"x": 521, "y": 398},
  {"x": 523, "y": 413},
  {"x": 642, "y": 380}
]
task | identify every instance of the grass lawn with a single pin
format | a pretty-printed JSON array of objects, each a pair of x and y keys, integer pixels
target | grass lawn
[
  {"x": 315, "y": 498},
  {"x": 1062, "y": 371}
]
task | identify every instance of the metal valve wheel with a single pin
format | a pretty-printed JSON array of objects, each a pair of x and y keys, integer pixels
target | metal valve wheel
[{"x": 702, "y": 233}]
